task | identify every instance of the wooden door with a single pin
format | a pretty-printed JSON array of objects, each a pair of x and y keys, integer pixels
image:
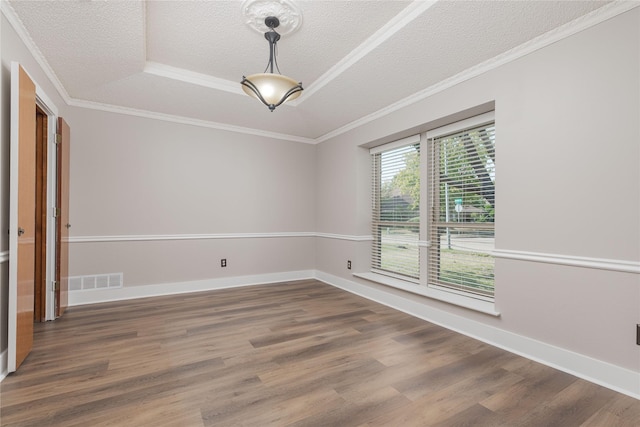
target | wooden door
[
  {"x": 21, "y": 216},
  {"x": 62, "y": 220}
]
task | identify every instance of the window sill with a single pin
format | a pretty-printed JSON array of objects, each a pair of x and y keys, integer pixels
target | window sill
[{"x": 486, "y": 307}]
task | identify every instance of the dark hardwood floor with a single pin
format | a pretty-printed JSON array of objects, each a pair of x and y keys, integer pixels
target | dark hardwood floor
[{"x": 293, "y": 354}]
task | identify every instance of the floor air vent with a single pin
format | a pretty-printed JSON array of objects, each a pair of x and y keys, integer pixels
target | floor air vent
[{"x": 96, "y": 281}]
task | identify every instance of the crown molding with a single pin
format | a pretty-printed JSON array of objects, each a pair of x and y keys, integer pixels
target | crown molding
[
  {"x": 186, "y": 121},
  {"x": 393, "y": 26},
  {"x": 412, "y": 11},
  {"x": 151, "y": 68},
  {"x": 595, "y": 17},
  {"x": 24, "y": 35},
  {"x": 397, "y": 23},
  {"x": 192, "y": 77}
]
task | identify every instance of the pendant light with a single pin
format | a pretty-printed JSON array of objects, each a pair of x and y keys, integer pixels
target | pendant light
[{"x": 270, "y": 88}]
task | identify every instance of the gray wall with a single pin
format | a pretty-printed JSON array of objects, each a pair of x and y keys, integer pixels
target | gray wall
[
  {"x": 134, "y": 176},
  {"x": 568, "y": 188}
]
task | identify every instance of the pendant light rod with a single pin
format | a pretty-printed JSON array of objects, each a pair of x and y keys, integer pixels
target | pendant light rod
[{"x": 272, "y": 37}]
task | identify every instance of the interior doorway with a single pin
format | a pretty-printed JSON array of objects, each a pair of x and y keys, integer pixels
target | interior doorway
[
  {"x": 40, "y": 258},
  {"x": 47, "y": 209}
]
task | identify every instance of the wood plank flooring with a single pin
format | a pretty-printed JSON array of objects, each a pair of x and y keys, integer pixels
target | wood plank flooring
[{"x": 292, "y": 354}]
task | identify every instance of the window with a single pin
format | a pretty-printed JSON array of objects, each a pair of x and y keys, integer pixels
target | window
[
  {"x": 462, "y": 207},
  {"x": 444, "y": 252},
  {"x": 396, "y": 208}
]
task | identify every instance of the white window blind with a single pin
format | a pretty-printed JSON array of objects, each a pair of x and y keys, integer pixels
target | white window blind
[
  {"x": 462, "y": 210},
  {"x": 396, "y": 208}
]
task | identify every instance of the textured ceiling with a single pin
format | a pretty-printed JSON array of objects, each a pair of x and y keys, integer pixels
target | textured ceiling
[{"x": 185, "y": 59}]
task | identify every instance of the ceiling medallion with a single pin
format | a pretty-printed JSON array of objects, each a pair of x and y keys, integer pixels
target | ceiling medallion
[{"x": 255, "y": 13}]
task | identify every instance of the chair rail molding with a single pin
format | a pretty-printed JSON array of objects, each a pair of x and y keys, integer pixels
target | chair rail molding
[
  {"x": 151, "y": 237},
  {"x": 570, "y": 260}
]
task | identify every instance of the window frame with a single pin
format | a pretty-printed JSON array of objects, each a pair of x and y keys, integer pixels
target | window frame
[
  {"x": 433, "y": 222},
  {"x": 460, "y": 298},
  {"x": 377, "y": 222}
]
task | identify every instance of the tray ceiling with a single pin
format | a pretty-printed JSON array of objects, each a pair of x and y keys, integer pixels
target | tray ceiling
[{"x": 184, "y": 59}]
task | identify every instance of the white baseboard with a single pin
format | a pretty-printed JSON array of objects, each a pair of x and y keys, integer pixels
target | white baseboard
[
  {"x": 4, "y": 370},
  {"x": 95, "y": 296},
  {"x": 596, "y": 371},
  {"x": 605, "y": 374}
]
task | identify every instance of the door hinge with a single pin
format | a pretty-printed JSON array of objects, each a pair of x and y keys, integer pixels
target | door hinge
[
  {"x": 56, "y": 212},
  {"x": 58, "y": 138},
  {"x": 56, "y": 285}
]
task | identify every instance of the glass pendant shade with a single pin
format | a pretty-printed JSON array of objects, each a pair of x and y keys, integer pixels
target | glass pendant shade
[{"x": 271, "y": 89}]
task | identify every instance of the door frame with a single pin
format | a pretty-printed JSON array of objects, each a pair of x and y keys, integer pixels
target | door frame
[{"x": 49, "y": 108}]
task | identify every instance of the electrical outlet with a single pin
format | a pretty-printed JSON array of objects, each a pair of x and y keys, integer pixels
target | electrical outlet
[
  {"x": 348, "y": 265},
  {"x": 223, "y": 262}
]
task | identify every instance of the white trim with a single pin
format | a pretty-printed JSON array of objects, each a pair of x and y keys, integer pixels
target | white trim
[
  {"x": 413, "y": 139},
  {"x": 471, "y": 122},
  {"x": 4, "y": 256},
  {"x": 574, "y": 261},
  {"x": 479, "y": 304},
  {"x": 3, "y": 365},
  {"x": 150, "y": 237},
  {"x": 23, "y": 34},
  {"x": 134, "y": 238},
  {"x": 595, "y": 17},
  {"x": 14, "y": 151},
  {"x": 51, "y": 110},
  {"x": 352, "y": 238},
  {"x": 591, "y": 19},
  {"x": 602, "y": 373},
  {"x": 570, "y": 260},
  {"x": 186, "y": 121},
  {"x": 144, "y": 291},
  {"x": 188, "y": 76},
  {"x": 605, "y": 374},
  {"x": 43, "y": 101},
  {"x": 397, "y": 23}
]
